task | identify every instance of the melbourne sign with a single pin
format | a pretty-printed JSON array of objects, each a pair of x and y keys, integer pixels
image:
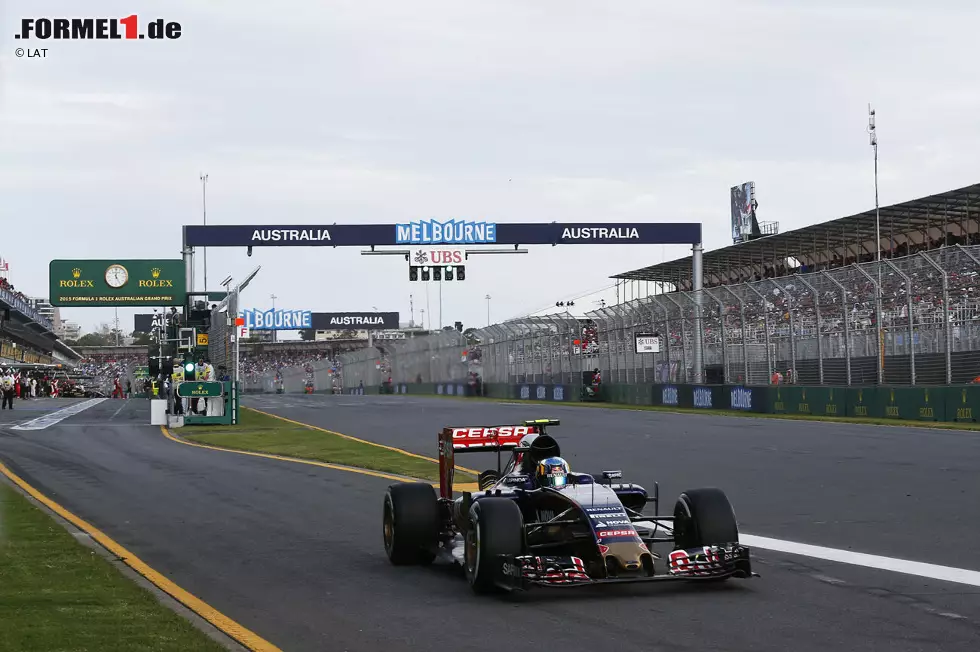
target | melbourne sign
[
  {"x": 277, "y": 320},
  {"x": 327, "y": 321},
  {"x": 451, "y": 232},
  {"x": 436, "y": 233},
  {"x": 101, "y": 283}
]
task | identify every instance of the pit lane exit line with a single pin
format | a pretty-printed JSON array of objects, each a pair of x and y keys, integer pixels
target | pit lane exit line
[
  {"x": 48, "y": 420},
  {"x": 919, "y": 569}
]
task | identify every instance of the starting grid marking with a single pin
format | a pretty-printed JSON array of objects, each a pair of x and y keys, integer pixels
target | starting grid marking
[{"x": 48, "y": 420}]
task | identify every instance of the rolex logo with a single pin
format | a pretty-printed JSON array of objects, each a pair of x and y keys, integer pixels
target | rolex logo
[
  {"x": 75, "y": 273},
  {"x": 155, "y": 272}
]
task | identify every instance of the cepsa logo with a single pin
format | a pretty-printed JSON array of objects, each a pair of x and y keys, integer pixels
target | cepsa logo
[
  {"x": 80, "y": 29},
  {"x": 474, "y": 437}
]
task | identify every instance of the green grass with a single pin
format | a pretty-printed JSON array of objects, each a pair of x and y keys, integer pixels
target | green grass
[
  {"x": 950, "y": 425},
  {"x": 264, "y": 434},
  {"x": 56, "y": 594}
]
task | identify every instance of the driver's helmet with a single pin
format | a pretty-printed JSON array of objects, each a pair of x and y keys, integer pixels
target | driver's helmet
[{"x": 552, "y": 472}]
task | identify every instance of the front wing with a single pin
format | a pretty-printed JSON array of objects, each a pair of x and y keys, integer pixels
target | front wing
[{"x": 707, "y": 563}]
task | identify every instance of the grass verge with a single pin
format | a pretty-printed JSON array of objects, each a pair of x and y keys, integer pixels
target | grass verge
[
  {"x": 264, "y": 434},
  {"x": 56, "y": 594},
  {"x": 942, "y": 425}
]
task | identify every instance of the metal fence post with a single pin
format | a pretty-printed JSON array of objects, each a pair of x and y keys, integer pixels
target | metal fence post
[
  {"x": 909, "y": 309},
  {"x": 765, "y": 320},
  {"x": 680, "y": 312},
  {"x": 816, "y": 308},
  {"x": 878, "y": 332},
  {"x": 947, "y": 326}
]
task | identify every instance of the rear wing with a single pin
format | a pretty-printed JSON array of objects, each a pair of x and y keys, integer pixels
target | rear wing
[{"x": 454, "y": 440}]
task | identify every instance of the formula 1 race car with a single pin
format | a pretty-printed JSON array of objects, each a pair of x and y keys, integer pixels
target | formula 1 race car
[{"x": 514, "y": 533}]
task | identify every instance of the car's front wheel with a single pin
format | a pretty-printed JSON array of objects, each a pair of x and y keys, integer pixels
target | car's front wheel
[
  {"x": 496, "y": 528},
  {"x": 704, "y": 517}
]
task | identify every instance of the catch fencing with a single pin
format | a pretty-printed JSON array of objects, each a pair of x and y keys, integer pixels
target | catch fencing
[
  {"x": 221, "y": 333},
  {"x": 906, "y": 321}
]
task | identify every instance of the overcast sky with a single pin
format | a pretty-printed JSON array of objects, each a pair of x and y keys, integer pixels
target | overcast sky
[{"x": 369, "y": 111}]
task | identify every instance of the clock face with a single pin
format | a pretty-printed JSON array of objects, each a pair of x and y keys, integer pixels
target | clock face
[{"x": 116, "y": 276}]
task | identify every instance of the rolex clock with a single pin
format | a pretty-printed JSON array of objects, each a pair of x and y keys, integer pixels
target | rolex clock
[{"x": 116, "y": 276}]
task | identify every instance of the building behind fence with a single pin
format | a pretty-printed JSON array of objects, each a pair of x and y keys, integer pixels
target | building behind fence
[{"x": 904, "y": 321}]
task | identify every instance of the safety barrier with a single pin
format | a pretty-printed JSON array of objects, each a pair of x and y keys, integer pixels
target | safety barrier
[{"x": 933, "y": 404}]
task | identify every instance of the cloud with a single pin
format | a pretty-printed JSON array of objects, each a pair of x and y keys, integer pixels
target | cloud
[{"x": 374, "y": 111}]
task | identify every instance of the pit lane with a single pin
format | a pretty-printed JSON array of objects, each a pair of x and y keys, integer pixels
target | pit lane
[{"x": 294, "y": 552}]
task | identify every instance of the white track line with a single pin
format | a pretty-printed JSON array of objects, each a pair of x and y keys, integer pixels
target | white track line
[
  {"x": 48, "y": 420},
  {"x": 908, "y": 567},
  {"x": 931, "y": 571}
]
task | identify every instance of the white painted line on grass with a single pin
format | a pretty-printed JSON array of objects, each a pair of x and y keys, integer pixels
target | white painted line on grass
[
  {"x": 48, "y": 420},
  {"x": 931, "y": 571}
]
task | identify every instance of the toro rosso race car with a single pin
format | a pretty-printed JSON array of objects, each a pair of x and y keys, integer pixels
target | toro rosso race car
[{"x": 534, "y": 522}]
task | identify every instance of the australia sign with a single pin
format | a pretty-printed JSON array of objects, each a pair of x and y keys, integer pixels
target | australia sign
[{"x": 356, "y": 321}]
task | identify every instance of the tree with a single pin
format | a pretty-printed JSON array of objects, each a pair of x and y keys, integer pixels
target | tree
[
  {"x": 140, "y": 338},
  {"x": 93, "y": 339}
]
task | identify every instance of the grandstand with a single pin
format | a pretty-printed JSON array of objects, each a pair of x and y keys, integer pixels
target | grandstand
[
  {"x": 26, "y": 336},
  {"x": 912, "y": 227},
  {"x": 811, "y": 304}
]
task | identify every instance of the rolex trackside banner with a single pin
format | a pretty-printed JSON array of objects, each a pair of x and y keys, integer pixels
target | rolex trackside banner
[{"x": 332, "y": 321}]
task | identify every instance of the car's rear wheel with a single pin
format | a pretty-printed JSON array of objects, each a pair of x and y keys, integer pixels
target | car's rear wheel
[
  {"x": 704, "y": 517},
  {"x": 496, "y": 528},
  {"x": 411, "y": 523}
]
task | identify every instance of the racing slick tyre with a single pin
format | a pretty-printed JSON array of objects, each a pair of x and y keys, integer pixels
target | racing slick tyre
[
  {"x": 496, "y": 528},
  {"x": 704, "y": 517},
  {"x": 411, "y": 523}
]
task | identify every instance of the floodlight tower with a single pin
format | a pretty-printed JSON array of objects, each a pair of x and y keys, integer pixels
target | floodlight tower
[{"x": 873, "y": 140}]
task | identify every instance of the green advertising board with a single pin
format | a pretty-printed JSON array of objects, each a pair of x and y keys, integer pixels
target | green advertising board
[
  {"x": 101, "y": 283},
  {"x": 192, "y": 389}
]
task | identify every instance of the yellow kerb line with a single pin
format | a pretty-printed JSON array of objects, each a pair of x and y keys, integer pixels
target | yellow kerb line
[
  {"x": 466, "y": 486},
  {"x": 362, "y": 441},
  {"x": 243, "y": 635}
]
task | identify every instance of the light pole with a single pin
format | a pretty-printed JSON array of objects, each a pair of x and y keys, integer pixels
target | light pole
[
  {"x": 873, "y": 140},
  {"x": 204, "y": 201},
  {"x": 488, "y": 310},
  {"x": 873, "y": 137},
  {"x": 274, "y": 297}
]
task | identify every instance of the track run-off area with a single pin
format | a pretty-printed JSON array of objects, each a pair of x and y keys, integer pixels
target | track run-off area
[{"x": 294, "y": 553}]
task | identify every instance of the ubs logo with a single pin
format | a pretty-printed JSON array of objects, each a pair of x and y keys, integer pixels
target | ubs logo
[
  {"x": 670, "y": 395},
  {"x": 542, "y": 392},
  {"x": 559, "y": 393},
  {"x": 525, "y": 392}
]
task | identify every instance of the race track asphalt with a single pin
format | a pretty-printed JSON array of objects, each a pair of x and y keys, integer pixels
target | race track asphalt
[
  {"x": 294, "y": 552},
  {"x": 882, "y": 490}
]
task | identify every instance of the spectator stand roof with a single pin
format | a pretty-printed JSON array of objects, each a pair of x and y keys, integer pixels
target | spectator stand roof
[{"x": 951, "y": 217}]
